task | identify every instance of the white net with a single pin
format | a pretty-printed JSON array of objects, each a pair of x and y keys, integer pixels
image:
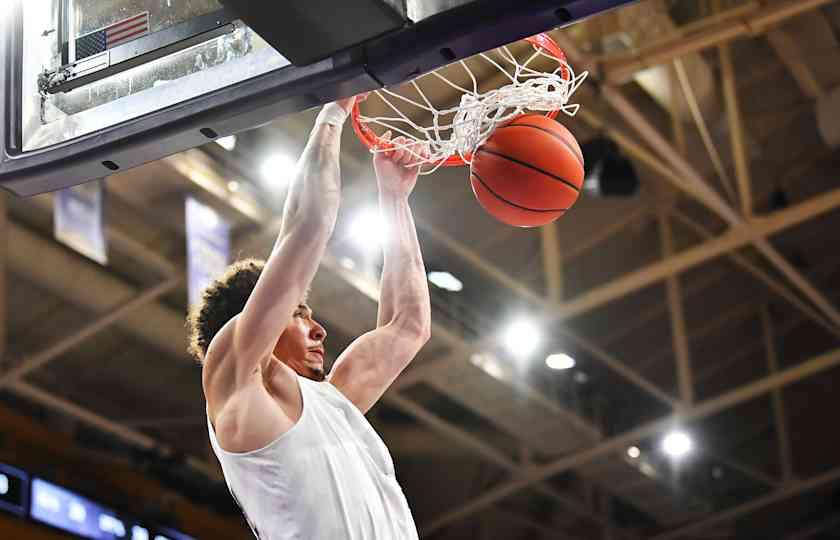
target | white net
[{"x": 459, "y": 130}]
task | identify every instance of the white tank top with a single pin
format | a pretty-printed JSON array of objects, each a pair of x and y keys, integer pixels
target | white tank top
[{"x": 329, "y": 477}]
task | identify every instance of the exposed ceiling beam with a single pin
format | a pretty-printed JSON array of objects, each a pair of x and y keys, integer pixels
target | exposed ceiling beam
[
  {"x": 676, "y": 312},
  {"x": 702, "y": 127},
  {"x": 614, "y": 227},
  {"x": 735, "y": 238},
  {"x": 552, "y": 262},
  {"x": 790, "y": 55},
  {"x": 769, "y": 281},
  {"x": 656, "y": 164},
  {"x": 736, "y": 130},
  {"x": 98, "y": 421},
  {"x": 485, "y": 451},
  {"x": 693, "y": 182},
  {"x": 37, "y": 258},
  {"x": 786, "y": 492},
  {"x": 104, "y": 321},
  {"x": 779, "y": 416},
  {"x": 701, "y": 410},
  {"x": 622, "y": 68}
]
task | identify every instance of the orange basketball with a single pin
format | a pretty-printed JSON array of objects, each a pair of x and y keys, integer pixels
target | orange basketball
[{"x": 529, "y": 172}]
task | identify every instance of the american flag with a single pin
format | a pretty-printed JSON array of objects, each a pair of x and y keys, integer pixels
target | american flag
[{"x": 118, "y": 33}]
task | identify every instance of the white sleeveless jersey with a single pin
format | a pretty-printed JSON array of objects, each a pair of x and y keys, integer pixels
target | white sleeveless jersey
[{"x": 329, "y": 477}]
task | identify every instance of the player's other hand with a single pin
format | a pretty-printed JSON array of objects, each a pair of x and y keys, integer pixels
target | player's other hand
[
  {"x": 347, "y": 103},
  {"x": 397, "y": 167}
]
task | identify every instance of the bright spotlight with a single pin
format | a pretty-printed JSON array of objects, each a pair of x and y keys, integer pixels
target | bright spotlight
[
  {"x": 228, "y": 143},
  {"x": 634, "y": 452},
  {"x": 677, "y": 444},
  {"x": 368, "y": 230},
  {"x": 522, "y": 337},
  {"x": 278, "y": 169},
  {"x": 560, "y": 361},
  {"x": 446, "y": 281}
]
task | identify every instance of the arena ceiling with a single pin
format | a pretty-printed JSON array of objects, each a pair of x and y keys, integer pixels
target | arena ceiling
[{"x": 707, "y": 302}]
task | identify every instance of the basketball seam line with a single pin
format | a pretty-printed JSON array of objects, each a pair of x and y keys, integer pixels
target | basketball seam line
[
  {"x": 556, "y": 136},
  {"x": 514, "y": 160},
  {"x": 488, "y": 188}
]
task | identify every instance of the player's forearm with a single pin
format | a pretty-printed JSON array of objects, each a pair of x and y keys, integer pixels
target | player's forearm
[
  {"x": 404, "y": 295},
  {"x": 315, "y": 193}
]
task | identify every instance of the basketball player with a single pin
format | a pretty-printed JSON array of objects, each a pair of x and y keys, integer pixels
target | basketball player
[{"x": 298, "y": 455}]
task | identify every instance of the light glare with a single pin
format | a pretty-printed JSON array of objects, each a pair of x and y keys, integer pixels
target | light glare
[
  {"x": 368, "y": 230},
  {"x": 677, "y": 444},
  {"x": 445, "y": 280},
  {"x": 278, "y": 170},
  {"x": 522, "y": 337},
  {"x": 560, "y": 361},
  {"x": 489, "y": 364},
  {"x": 228, "y": 143},
  {"x": 634, "y": 452}
]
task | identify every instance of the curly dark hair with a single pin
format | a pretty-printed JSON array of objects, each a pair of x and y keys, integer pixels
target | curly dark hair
[{"x": 220, "y": 302}]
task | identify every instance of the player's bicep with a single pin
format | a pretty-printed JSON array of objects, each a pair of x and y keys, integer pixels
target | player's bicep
[
  {"x": 278, "y": 291},
  {"x": 366, "y": 369}
]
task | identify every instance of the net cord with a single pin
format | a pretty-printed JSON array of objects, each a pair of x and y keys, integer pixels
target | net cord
[{"x": 477, "y": 114}]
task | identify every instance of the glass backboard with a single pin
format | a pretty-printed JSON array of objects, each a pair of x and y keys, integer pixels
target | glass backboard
[{"x": 91, "y": 87}]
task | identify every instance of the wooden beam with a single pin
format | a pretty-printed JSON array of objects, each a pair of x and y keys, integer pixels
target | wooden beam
[
  {"x": 694, "y": 183},
  {"x": 782, "y": 434},
  {"x": 735, "y": 238},
  {"x": 642, "y": 319},
  {"x": 552, "y": 262},
  {"x": 620, "y": 368},
  {"x": 703, "y": 128},
  {"x": 482, "y": 449},
  {"x": 33, "y": 362},
  {"x": 791, "y": 490},
  {"x": 776, "y": 286},
  {"x": 676, "y": 103},
  {"x": 722, "y": 320},
  {"x": 701, "y": 410},
  {"x": 515, "y": 285},
  {"x": 621, "y": 68},
  {"x": 98, "y": 421},
  {"x": 677, "y": 315},
  {"x": 600, "y": 236},
  {"x": 736, "y": 131},
  {"x": 790, "y": 55}
]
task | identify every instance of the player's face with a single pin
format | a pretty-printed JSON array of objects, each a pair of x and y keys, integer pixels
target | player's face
[{"x": 301, "y": 346}]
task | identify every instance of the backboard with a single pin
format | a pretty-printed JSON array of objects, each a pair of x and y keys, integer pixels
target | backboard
[{"x": 90, "y": 87}]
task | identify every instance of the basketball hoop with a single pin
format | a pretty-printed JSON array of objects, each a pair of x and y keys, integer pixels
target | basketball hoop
[{"x": 454, "y": 132}]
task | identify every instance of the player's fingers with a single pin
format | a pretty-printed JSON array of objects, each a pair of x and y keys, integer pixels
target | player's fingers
[
  {"x": 386, "y": 139},
  {"x": 416, "y": 154},
  {"x": 410, "y": 155},
  {"x": 399, "y": 153}
]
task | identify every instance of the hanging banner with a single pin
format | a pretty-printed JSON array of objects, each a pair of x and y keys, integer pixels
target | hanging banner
[
  {"x": 78, "y": 219},
  {"x": 208, "y": 247}
]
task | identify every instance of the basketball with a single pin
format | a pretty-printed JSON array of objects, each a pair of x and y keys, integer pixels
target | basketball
[{"x": 529, "y": 172}]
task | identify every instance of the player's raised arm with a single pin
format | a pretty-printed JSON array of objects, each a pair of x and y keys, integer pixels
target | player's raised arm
[
  {"x": 308, "y": 220},
  {"x": 371, "y": 363}
]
